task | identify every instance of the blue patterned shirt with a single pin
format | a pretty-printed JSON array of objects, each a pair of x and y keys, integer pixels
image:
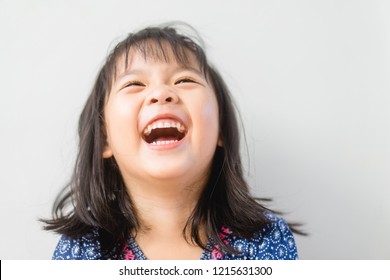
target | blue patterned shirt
[{"x": 273, "y": 242}]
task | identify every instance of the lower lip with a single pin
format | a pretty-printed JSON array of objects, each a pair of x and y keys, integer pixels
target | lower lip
[{"x": 163, "y": 147}]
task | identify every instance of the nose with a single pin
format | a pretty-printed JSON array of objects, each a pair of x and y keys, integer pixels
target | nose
[{"x": 162, "y": 95}]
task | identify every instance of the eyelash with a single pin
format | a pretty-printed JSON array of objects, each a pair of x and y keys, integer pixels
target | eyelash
[
  {"x": 180, "y": 81},
  {"x": 185, "y": 80},
  {"x": 134, "y": 83}
]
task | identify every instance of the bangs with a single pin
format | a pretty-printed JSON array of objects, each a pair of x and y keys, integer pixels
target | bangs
[
  {"x": 160, "y": 51},
  {"x": 160, "y": 45}
]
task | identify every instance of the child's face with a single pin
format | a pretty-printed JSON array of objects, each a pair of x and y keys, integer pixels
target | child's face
[{"x": 152, "y": 93}]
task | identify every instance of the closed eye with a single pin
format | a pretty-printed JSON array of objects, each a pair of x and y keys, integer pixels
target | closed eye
[
  {"x": 185, "y": 80},
  {"x": 133, "y": 87},
  {"x": 134, "y": 83}
]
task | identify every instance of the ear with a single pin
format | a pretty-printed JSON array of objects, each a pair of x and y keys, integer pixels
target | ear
[
  {"x": 220, "y": 143},
  {"x": 107, "y": 152}
]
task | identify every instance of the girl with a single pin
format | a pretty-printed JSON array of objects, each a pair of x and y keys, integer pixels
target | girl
[{"x": 158, "y": 173}]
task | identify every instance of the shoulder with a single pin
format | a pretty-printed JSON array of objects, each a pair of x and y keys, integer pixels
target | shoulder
[
  {"x": 85, "y": 247},
  {"x": 275, "y": 241}
]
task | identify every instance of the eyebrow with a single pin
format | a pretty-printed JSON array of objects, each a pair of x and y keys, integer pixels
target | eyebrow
[{"x": 178, "y": 69}]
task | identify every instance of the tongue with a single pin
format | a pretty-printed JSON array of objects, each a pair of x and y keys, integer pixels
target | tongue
[{"x": 165, "y": 138}]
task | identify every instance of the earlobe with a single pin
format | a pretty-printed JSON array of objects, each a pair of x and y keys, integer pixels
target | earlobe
[
  {"x": 220, "y": 143},
  {"x": 107, "y": 152}
]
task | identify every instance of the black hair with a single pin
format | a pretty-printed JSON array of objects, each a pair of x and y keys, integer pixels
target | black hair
[{"x": 97, "y": 194}]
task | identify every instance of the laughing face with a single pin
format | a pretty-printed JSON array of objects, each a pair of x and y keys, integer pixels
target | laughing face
[{"x": 161, "y": 121}]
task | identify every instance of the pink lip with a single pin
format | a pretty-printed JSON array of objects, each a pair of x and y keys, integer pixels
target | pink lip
[{"x": 165, "y": 146}]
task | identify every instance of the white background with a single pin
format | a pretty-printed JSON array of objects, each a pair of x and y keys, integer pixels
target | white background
[{"x": 311, "y": 79}]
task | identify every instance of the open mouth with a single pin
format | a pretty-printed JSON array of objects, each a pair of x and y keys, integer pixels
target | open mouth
[{"x": 163, "y": 132}]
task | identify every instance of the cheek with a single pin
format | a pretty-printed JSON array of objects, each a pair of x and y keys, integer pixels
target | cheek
[
  {"x": 121, "y": 123},
  {"x": 210, "y": 110},
  {"x": 209, "y": 118},
  {"x": 205, "y": 102}
]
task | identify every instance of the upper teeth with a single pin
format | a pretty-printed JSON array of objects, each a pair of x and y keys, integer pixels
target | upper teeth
[{"x": 164, "y": 124}]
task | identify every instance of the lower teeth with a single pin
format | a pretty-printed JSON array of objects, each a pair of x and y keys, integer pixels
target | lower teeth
[{"x": 157, "y": 143}]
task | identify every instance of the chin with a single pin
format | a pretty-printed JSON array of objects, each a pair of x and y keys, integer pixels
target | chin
[
  {"x": 168, "y": 171},
  {"x": 184, "y": 173}
]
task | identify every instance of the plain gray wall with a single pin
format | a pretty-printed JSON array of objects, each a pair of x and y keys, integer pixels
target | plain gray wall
[{"x": 311, "y": 79}]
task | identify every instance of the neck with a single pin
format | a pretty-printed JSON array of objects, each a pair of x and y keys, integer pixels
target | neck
[
  {"x": 163, "y": 209},
  {"x": 164, "y": 206}
]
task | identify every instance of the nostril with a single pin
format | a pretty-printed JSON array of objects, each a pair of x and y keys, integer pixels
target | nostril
[{"x": 155, "y": 100}]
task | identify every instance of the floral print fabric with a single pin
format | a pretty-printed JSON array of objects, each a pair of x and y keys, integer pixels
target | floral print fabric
[{"x": 273, "y": 242}]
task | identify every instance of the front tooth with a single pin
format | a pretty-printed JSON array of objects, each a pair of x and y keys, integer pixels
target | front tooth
[
  {"x": 154, "y": 126},
  {"x": 160, "y": 125},
  {"x": 167, "y": 125}
]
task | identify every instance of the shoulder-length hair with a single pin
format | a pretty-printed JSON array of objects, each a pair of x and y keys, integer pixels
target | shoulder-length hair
[{"x": 97, "y": 195}]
